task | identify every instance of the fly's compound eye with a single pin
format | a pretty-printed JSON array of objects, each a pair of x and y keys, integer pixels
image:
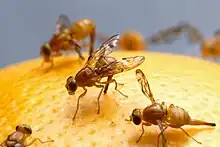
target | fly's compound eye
[
  {"x": 71, "y": 85},
  {"x": 45, "y": 50},
  {"x": 136, "y": 116},
  {"x": 24, "y": 129},
  {"x": 136, "y": 119}
]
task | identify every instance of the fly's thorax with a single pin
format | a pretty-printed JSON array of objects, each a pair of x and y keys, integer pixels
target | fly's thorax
[
  {"x": 84, "y": 76},
  {"x": 177, "y": 116},
  {"x": 16, "y": 136},
  {"x": 153, "y": 112}
]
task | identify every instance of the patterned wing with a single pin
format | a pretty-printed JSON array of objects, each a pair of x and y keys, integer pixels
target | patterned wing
[
  {"x": 63, "y": 22},
  {"x": 122, "y": 65},
  {"x": 145, "y": 87},
  {"x": 105, "y": 49}
]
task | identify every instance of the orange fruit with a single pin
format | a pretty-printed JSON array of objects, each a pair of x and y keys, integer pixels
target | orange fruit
[
  {"x": 132, "y": 41},
  {"x": 37, "y": 96}
]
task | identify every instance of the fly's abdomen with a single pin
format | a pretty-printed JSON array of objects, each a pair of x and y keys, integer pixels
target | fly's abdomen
[
  {"x": 177, "y": 116},
  {"x": 82, "y": 28}
]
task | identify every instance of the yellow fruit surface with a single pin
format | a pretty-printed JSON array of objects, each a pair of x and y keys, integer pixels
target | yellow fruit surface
[{"x": 38, "y": 97}]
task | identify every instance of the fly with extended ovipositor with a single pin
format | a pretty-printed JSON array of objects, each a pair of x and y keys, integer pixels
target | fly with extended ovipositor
[
  {"x": 158, "y": 113},
  {"x": 98, "y": 66},
  {"x": 17, "y": 138}
]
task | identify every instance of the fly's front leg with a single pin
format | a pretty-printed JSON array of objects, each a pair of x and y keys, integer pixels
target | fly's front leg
[
  {"x": 77, "y": 106},
  {"x": 102, "y": 88},
  {"x": 142, "y": 128},
  {"x": 51, "y": 63}
]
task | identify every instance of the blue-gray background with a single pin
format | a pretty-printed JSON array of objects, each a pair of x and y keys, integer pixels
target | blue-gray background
[{"x": 25, "y": 24}]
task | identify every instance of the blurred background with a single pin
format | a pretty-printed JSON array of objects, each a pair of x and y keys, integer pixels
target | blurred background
[{"x": 25, "y": 24}]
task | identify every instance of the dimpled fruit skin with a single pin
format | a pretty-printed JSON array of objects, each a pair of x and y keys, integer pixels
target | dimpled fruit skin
[{"x": 37, "y": 96}]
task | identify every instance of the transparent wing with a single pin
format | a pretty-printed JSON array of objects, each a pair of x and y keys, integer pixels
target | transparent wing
[
  {"x": 63, "y": 22},
  {"x": 171, "y": 34},
  {"x": 105, "y": 49},
  {"x": 145, "y": 87},
  {"x": 193, "y": 35},
  {"x": 122, "y": 65}
]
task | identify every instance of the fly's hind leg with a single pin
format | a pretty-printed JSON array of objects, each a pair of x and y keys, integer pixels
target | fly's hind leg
[
  {"x": 110, "y": 80},
  {"x": 102, "y": 88},
  {"x": 190, "y": 136}
]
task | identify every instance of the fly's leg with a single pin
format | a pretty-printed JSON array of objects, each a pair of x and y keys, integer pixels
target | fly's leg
[
  {"x": 79, "y": 53},
  {"x": 190, "y": 136},
  {"x": 142, "y": 127},
  {"x": 77, "y": 106},
  {"x": 164, "y": 141},
  {"x": 107, "y": 85},
  {"x": 42, "y": 142},
  {"x": 110, "y": 80},
  {"x": 92, "y": 42},
  {"x": 51, "y": 63},
  {"x": 102, "y": 88},
  {"x": 158, "y": 137}
]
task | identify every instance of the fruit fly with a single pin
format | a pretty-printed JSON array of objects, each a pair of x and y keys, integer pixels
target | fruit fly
[
  {"x": 78, "y": 31},
  {"x": 60, "y": 41},
  {"x": 101, "y": 65},
  {"x": 17, "y": 138},
  {"x": 161, "y": 115}
]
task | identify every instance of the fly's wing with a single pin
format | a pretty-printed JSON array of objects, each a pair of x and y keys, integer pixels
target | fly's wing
[
  {"x": 145, "y": 87},
  {"x": 171, "y": 34},
  {"x": 105, "y": 49},
  {"x": 193, "y": 35},
  {"x": 63, "y": 22},
  {"x": 122, "y": 65}
]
